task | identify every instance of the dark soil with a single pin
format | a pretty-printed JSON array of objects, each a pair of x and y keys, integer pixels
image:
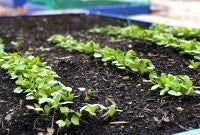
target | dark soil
[{"x": 145, "y": 112}]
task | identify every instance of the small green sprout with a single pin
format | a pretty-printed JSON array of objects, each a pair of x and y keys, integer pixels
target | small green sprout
[
  {"x": 75, "y": 120},
  {"x": 112, "y": 110},
  {"x": 92, "y": 109},
  {"x": 88, "y": 94},
  {"x": 63, "y": 123},
  {"x": 17, "y": 44},
  {"x": 194, "y": 65},
  {"x": 179, "y": 109}
]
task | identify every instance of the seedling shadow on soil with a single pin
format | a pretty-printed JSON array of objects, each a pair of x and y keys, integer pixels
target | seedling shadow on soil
[{"x": 144, "y": 111}]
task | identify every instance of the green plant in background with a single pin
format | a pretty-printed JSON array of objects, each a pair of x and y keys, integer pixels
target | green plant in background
[
  {"x": 38, "y": 82},
  {"x": 1, "y": 46},
  {"x": 163, "y": 39},
  {"x": 175, "y": 85},
  {"x": 178, "y": 31},
  {"x": 70, "y": 44}
]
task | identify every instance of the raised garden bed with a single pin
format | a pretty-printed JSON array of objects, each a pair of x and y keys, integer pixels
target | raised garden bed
[{"x": 143, "y": 111}]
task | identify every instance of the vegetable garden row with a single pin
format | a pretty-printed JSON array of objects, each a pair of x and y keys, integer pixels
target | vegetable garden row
[{"x": 47, "y": 95}]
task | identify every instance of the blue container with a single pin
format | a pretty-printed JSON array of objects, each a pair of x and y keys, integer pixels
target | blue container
[
  {"x": 190, "y": 132},
  {"x": 121, "y": 11},
  {"x": 12, "y": 3}
]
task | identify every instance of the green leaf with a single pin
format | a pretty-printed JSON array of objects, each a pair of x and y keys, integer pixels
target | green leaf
[
  {"x": 30, "y": 107},
  {"x": 64, "y": 110},
  {"x": 174, "y": 93},
  {"x": 83, "y": 108},
  {"x": 18, "y": 90},
  {"x": 61, "y": 123},
  {"x": 43, "y": 100},
  {"x": 57, "y": 98},
  {"x": 17, "y": 44},
  {"x": 155, "y": 86},
  {"x": 39, "y": 109},
  {"x": 91, "y": 109},
  {"x": 112, "y": 110},
  {"x": 47, "y": 109},
  {"x": 194, "y": 65},
  {"x": 13, "y": 75},
  {"x": 78, "y": 114},
  {"x": 5, "y": 66},
  {"x": 69, "y": 89},
  {"x": 75, "y": 120},
  {"x": 31, "y": 97},
  {"x": 131, "y": 54},
  {"x": 189, "y": 92},
  {"x": 70, "y": 96},
  {"x": 68, "y": 122},
  {"x": 163, "y": 91},
  {"x": 1, "y": 46}
]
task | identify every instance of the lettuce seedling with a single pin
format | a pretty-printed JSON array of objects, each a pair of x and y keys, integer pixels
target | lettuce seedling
[
  {"x": 63, "y": 123},
  {"x": 1, "y": 46},
  {"x": 179, "y": 31},
  {"x": 194, "y": 65},
  {"x": 73, "y": 45},
  {"x": 173, "y": 85},
  {"x": 166, "y": 39},
  {"x": 123, "y": 60},
  {"x": 111, "y": 110},
  {"x": 16, "y": 44},
  {"x": 92, "y": 109},
  {"x": 37, "y": 81},
  {"x": 179, "y": 85},
  {"x": 88, "y": 94}
]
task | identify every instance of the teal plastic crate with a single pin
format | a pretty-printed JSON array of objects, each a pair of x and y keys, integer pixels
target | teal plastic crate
[
  {"x": 42, "y": 2},
  {"x": 78, "y": 3},
  {"x": 69, "y": 4}
]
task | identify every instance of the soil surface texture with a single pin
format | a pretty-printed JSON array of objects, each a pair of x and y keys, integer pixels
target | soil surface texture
[{"x": 144, "y": 112}]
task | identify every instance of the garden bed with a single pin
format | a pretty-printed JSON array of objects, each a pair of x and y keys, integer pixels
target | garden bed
[{"x": 144, "y": 111}]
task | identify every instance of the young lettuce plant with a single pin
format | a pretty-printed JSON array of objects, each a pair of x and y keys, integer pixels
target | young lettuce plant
[
  {"x": 70, "y": 44},
  {"x": 175, "y": 85},
  {"x": 125, "y": 60},
  {"x": 179, "y": 85},
  {"x": 37, "y": 81},
  {"x": 177, "y": 31},
  {"x": 163, "y": 39},
  {"x": 194, "y": 65},
  {"x": 91, "y": 109},
  {"x": 16, "y": 44},
  {"x": 117, "y": 57},
  {"x": 1, "y": 46}
]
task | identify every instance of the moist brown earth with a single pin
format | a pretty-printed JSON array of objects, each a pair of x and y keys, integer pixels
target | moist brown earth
[{"x": 144, "y": 112}]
